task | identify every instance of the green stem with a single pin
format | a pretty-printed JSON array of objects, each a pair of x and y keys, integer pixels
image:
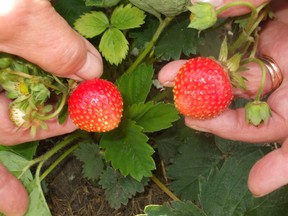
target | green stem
[
  {"x": 263, "y": 76},
  {"x": 21, "y": 74},
  {"x": 237, "y": 3},
  {"x": 164, "y": 188},
  {"x": 56, "y": 112},
  {"x": 46, "y": 156},
  {"x": 59, "y": 160},
  {"x": 151, "y": 44},
  {"x": 252, "y": 24},
  {"x": 62, "y": 144}
]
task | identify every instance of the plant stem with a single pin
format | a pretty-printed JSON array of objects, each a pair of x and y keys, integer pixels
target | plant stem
[
  {"x": 237, "y": 3},
  {"x": 70, "y": 138},
  {"x": 56, "y": 112},
  {"x": 252, "y": 24},
  {"x": 164, "y": 188},
  {"x": 19, "y": 73},
  {"x": 59, "y": 160},
  {"x": 151, "y": 44},
  {"x": 263, "y": 78}
]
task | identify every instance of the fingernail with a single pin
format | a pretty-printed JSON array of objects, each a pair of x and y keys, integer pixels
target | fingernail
[
  {"x": 92, "y": 68},
  {"x": 215, "y": 3},
  {"x": 198, "y": 128},
  {"x": 168, "y": 83}
]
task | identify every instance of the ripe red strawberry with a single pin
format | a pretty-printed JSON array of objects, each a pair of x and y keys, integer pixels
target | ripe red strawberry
[
  {"x": 96, "y": 106},
  {"x": 202, "y": 88}
]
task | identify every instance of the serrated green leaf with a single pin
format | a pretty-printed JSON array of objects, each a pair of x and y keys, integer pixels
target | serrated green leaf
[
  {"x": 177, "y": 40},
  {"x": 127, "y": 149},
  {"x": 229, "y": 186},
  {"x": 127, "y": 17},
  {"x": 119, "y": 189},
  {"x": 153, "y": 117},
  {"x": 168, "y": 144},
  {"x": 92, "y": 24},
  {"x": 26, "y": 150},
  {"x": 114, "y": 46},
  {"x": 275, "y": 203},
  {"x": 198, "y": 155},
  {"x": 102, "y": 3},
  {"x": 37, "y": 202},
  {"x": 93, "y": 164},
  {"x": 135, "y": 86},
  {"x": 16, "y": 164},
  {"x": 177, "y": 208}
]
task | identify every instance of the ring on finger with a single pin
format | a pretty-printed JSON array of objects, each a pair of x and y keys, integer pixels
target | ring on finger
[{"x": 273, "y": 70}]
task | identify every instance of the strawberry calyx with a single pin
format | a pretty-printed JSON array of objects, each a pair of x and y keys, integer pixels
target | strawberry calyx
[
  {"x": 32, "y": 92},
  {"x": 257, "y": 112}
]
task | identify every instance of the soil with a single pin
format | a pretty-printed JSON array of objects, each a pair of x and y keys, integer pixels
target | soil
[{"x": 70, "y": 194}]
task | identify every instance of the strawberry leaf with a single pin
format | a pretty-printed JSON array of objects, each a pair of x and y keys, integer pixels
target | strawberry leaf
[
  {"x": 26, "y": 150},
  {"x": 135, "y": 86},
  {"x": 93, "y": 164},
  {"x": 229, "y": 185},
  {"x": 92, "y": 24},
  {"x": 127, "y": 17},
  {"x": 198, "y": 155},
  {"x": 177, "y": 40},
  {"x": 177, "y": 208},
  {"x": 119, "y": 189},
  {"x": 153, "y": 117},
  {"x": 127, "y": 149},
  {"x": 114, "y": 46}
]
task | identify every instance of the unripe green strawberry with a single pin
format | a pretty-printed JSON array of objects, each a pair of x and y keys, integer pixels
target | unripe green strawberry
[
  {"x": 202, "y": 89},
  {"x": 96, "y": 106},
  {"x": 17, "y": 115}
]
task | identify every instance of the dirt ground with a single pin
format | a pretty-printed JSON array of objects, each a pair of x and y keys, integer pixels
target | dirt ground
[{"x": 70, "y": 194}]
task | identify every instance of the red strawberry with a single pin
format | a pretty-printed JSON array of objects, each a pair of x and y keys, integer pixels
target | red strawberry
[
  {"x": 202, "y": 88},
  {"x": 96, "y": 106}
]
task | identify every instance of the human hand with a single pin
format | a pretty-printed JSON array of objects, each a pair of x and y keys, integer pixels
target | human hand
[
  {"x": 271, "y": 172},
  {"x": 33, "y": 30}
]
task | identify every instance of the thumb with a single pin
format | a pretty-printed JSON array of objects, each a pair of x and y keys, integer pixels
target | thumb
[
  {"x": 270, "y": 172},
  {"x": 13, "y": 196},
  {"x": 42, "y": 36}
]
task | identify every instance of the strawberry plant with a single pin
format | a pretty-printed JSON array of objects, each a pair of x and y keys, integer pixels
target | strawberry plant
[{"x": 128, "y": 122}]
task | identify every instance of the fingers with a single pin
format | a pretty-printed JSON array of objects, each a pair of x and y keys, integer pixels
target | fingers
[
  {"x": 233, "y": 11},
  {"x": 13, "y": 196},
  {"x": 11, "y": 135},
  {"x": 231, "y": 124},
  {"x": 270, "y": 172},
  {"x": 43, "y": 37}
]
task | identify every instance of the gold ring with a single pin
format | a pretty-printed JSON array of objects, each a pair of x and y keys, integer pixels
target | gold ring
[{"x": 274, "y": 71}]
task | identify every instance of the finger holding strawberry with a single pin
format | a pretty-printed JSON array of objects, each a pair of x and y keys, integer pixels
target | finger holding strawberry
[{"x": 231, "y": 124}]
